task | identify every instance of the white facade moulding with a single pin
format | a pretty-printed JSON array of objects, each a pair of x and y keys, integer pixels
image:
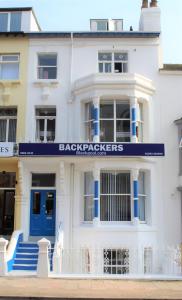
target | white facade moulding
[
  {"x": 46, "y": 87},
  {"x": 7, "y": 89},
  {"x": 113, "y": 84}
]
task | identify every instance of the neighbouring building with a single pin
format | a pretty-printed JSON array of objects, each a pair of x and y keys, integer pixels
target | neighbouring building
[{"x": 85, "y": 117}]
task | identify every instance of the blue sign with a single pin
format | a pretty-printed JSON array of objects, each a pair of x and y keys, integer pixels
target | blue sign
[{"x": 90, "y": 149}]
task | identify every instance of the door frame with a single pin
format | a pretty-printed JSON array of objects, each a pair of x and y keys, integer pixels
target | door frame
[{"x": 44, "y": 190}]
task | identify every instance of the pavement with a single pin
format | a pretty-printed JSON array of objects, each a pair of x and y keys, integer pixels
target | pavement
[{"x": 33, "y": 288}]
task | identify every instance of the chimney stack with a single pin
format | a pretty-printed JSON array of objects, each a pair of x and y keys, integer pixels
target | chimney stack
[
  {"x": 150, "y": 18},
  {"x": 145, "y": 4},
  {"x": 153, "y": 3}
]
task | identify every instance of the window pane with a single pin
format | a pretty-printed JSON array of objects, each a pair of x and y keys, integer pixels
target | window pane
[
  {"x": 88, "y": 183},
  {"x": 10, "y": 58},
  {"x": 107, "y": 183},
  {"x": 47, "y": 60},
  {"x": 108, "y": 67},
  {"x": 105, "y": 56},
  {"x": 106, "y": 110},
  {"x": 12, "y": 130},
  {"x": 122, "y": 183},
  {"x": 122, "y": 131},
  {"x": 49, "y": 209},
  {"x": 7, "y": 180},
  {"x": 107, "y": 131},
  {"x": 15, "y": 24},
  {"x": 51, "y": 125},
  {"x": 10, "y": 71},
  {"x": 40, "y": 130},
  {"x": 3, "y": 22},
  {"x": 8, "y": 112},
  {"x": 47, "y": 72},
  {"x": 36, "y": 203},
  {"x": 118, "y": 68},
  {"x": 43, "y": 180},
  {"x": 122, "y": 110},
  {"x": 3, "y": 124},
  {"x": 115, "y": 208},
  {"x": 45, "y": 112},
  {"x": 125, "y": 68},
  {"x": 88, "y": 208},
  {"x": 101, "y": 68},
  {"x": 141, "y": 181},
  {"x": 142, "y": 208},
  {"x": 102, "y": 25},
  {"x": 120, "y": 56}
]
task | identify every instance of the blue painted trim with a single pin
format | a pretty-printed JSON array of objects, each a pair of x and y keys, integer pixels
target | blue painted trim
[
  {"x": 134, "y": 114},
  {"x": 96, "y": 199},
  {"x": 11, "y": 262},
  {"x": 133, "y": 128},
  {"x": 96, "y": 121},
  {"x": 135, "y": 193}
]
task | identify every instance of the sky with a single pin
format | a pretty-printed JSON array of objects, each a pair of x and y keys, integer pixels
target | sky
[{"x": 74, "y": 15}]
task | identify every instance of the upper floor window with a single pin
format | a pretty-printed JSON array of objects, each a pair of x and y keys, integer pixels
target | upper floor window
[
  {"x": 10, "y": 21},
  {"x": 45, "y": 124},
  {"x": 9, "y": 66},
  {"x": 140, "y": 123},
  {"x": 113, "y": 62},
  {"x": 115, "y": 196},
  {"x": 89, "y": 125},
  {"x": 115, "y": 121},
  {"x": 102, "y": 25},
  {"x": 8, "y": 121},
  {"x": 47, "y": 66}
]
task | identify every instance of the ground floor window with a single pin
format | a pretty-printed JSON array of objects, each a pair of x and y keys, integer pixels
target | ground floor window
[
  {"x": 115, "y": 196},
  {"x": 116, "y": 261},
  {"x": 88, "y": 196},
  {"x": 142, "y": 196}
]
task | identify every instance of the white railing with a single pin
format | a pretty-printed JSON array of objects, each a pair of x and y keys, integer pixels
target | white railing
[
  {"x": 57, "y": 255},
  {"x": 122, "y": 262}
]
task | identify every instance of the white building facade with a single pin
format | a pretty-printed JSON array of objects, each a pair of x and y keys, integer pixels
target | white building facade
[{"x": 94, "y": 92}]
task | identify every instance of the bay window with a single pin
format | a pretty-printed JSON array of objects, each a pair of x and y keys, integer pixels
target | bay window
[
  {"x": 9, "y": 66},
  {"x": 113, "y": 62},
  {"x": 8, "y": 122},
  {"x": 115, "y": 121},
  {"x": 45, "y": 124},
  {"x": 115, "y": 196}
]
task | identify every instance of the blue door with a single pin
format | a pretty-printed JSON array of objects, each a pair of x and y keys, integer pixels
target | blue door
[{"x": 42, "y": 212}]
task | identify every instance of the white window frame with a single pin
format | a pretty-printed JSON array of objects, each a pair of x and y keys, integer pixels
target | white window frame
[
  {"x": 7, "y": 119},
  {"x": 88, "y": 122},
  {"x": 144, "y": 196},
  {"x": 87, "y": 196},
  {"x": 45, "y": 118},
  {"x": 2, "y": 62},
  {"x": 107, "y": 264},
  {"x": 110, "y": 195},
  {"x": 9, "y": 19},
  {"x": 115, "y": 119},
  {"x": 112, "y": 61},
  {"x": 47, "y": 66}
]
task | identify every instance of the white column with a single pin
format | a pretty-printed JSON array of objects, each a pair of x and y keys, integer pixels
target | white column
[
  {"x": 96, "y": 174},
  {"x": 135, "y": 173},
  {"x": 43, "y": 267},
  {"x": 133, "y": 109},
  {"x": 96, "y": 104},
  {"x": 3, "y": 262},
  {"x": 61, "y": 194},
  {"x": 22, "y": 201}
]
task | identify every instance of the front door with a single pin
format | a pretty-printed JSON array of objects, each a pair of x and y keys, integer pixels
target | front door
[
  {"x": 42, "y": 212},
  {"x": 7, "y": 206}
]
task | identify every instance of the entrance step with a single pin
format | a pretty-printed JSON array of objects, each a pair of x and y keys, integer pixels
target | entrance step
[{"x": 26, "y": 258}]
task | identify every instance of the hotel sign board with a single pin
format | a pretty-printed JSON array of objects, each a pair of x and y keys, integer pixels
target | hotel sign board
[
  {"x": 91, "y": 149},
  {"x": 6, "y": 149}
]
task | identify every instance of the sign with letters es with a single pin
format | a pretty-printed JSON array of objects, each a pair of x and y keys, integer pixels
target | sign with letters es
[
  {"x": 91, "y": 149},
  {"x": 6, "y": 149}
]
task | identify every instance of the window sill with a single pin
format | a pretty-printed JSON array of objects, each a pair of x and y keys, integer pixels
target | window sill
[
  {"x": 46, "y": 81},
  {"x": 9, "y": 82},
  {"x": 121, "y": 227}
]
